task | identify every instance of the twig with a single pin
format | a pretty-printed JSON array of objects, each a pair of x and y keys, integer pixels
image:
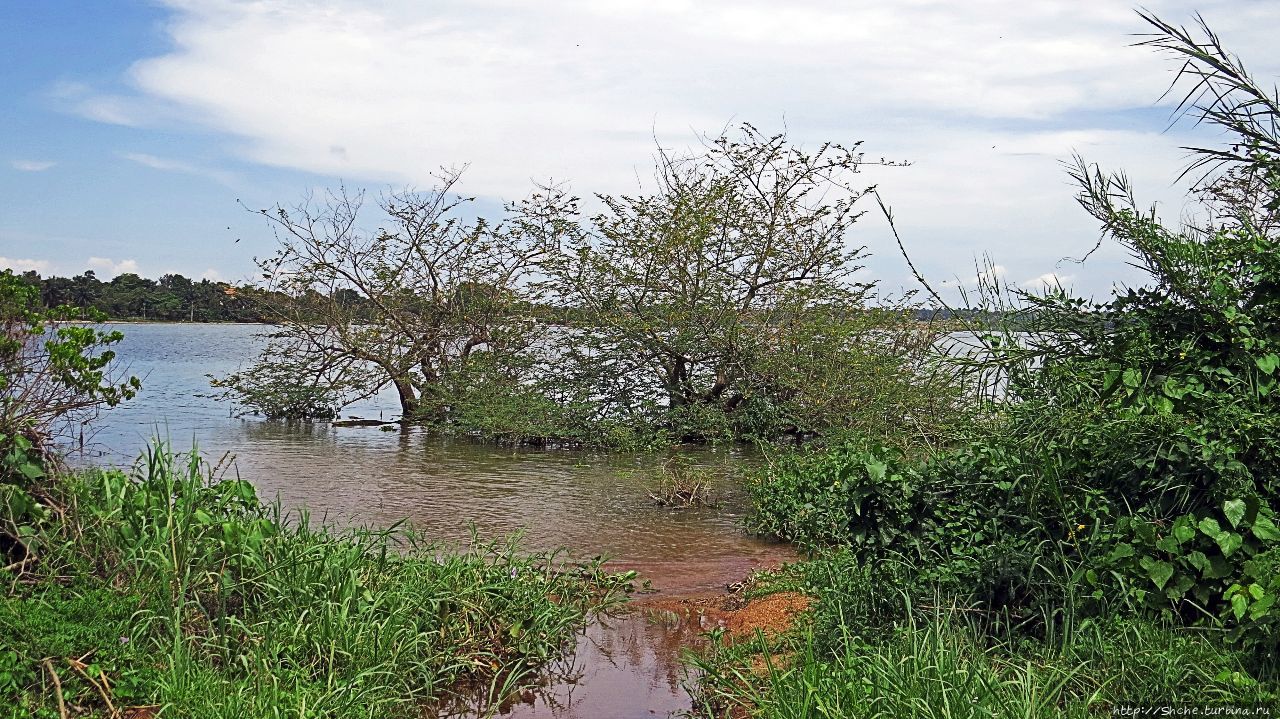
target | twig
[
  {"x": 78, "y": 667},
  {"x": 57, "y": 687},
  {"x": 893, "y": 227}
]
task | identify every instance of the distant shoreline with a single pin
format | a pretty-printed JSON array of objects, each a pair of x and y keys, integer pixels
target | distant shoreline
[{"x": 110, "y": 321}]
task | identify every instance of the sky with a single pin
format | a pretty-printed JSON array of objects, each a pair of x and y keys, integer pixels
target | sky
[{"x": 137, "y": 136}]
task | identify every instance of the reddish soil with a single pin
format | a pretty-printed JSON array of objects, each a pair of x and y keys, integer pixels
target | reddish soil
[{"x": 740, "y": 618}]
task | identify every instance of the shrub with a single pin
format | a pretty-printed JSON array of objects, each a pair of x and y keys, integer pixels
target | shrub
[
  {"x": 865, "y": 496},
  {"x": 52, "y": 375}
]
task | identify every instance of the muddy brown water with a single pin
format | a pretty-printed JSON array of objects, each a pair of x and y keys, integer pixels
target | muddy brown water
[{"x": 590, "y": 503}]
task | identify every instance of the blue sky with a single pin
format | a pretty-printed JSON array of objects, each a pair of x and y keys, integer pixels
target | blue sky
[
  {"x": 131, "y": 129},
  {"x": 92, "y": 200}
]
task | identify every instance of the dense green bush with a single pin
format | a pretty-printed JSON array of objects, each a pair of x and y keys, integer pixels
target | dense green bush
[{"x": 869, "y": 498}]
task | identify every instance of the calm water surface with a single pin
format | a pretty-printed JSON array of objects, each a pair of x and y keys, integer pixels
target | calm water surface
[{"x": 591, "y": 503}]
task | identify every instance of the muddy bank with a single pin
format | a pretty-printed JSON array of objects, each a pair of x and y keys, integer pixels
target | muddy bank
[{"x": 732, "y": 614}]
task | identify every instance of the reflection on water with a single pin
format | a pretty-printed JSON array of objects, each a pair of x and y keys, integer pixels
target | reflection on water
[
  {"x": 624, "y": 667},
  {"x": 593, "y": 503}
]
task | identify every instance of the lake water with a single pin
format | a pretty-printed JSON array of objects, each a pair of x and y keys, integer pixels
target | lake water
[{"x": 591, "y": 503}]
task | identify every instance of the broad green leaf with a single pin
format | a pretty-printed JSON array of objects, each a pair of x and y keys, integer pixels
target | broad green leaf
[
  {"x": 1109, "y": 379},
  {"x": 1268, "y": 363},
  {"x": 1229, "y": 542},
  {"x": 876, "y": 469},
  {"x": 1183, "y": 529},
  {"x": 1198, "y": 560},
  {"x": 1158, "y": 571},
  {"x": 1121, "y": 551},
  {"x": 1179, "y": 586},
  {"x": 1175, "y": 389},
  {"x": 1234, "y": 509},
  {"x": 1210, "y": 527},
  {"x": 1265, "y": 529},
  {"x": 1260, "y": 607},
  {"x": 31, "y": 471},
  {"x": 1239, "y": 604}
]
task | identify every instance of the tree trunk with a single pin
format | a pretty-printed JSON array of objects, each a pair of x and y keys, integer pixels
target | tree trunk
[
  {"x": 408, "y": 398},
  {"x": 677, "y": 391}
]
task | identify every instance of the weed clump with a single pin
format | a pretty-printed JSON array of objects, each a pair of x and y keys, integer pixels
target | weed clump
[{"x": 683, "y": 484}]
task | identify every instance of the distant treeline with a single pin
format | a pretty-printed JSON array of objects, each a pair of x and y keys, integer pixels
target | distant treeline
[
  {"x": 175, "y": 298},
  {"x": 172, "y": 298}
]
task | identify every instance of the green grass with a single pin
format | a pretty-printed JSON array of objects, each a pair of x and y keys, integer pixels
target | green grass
[
  {"x": 175, "y": 590},
  {"x": 848, "y": 661}
]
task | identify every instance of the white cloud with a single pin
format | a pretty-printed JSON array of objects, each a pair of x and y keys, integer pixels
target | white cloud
[
  {"x": 107, "y": 268},
  {"x": 113, "y": 109},
  {"x": 169, "y": 165},
  {"x": 212, "y": 275},
  {"x": 32, "y": 165},
  {"x": 156, "y": 163},
  {"x": 1048, "y": 280},
  {"x": 985, "y": 97},
  {"x": 17, "y": 265}
]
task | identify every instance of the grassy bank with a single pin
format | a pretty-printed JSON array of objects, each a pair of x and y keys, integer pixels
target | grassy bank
[
  {"x": 868, "y": 650},
  {"x": 165, "y": 588}
]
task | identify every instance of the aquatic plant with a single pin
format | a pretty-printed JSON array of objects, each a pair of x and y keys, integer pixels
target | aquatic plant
[{"x": 682, "y": 483}]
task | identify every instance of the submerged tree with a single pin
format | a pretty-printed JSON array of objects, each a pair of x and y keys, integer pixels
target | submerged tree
[
  {"x": 405, "y": 305},
  {"x": 719, "y": 302},
  {"x": 721, "y": 306}
]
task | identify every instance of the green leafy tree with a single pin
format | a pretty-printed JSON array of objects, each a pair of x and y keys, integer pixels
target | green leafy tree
[
  {"x": 724, "y": 304},
  {"x": 84, "y": 289}
]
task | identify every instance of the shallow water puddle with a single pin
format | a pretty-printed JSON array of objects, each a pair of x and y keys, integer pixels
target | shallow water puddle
[{"x": 625, "y": 666}]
